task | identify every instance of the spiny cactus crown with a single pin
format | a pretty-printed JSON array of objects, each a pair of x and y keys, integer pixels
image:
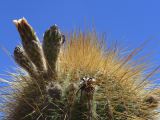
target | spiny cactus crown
[{"x": 80, "y": 80}]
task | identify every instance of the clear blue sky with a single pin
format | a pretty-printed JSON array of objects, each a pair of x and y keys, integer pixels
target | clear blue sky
[{"x": 130, "y": 22}]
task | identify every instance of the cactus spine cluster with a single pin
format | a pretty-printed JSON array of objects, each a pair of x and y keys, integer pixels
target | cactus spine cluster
[{"x": 76, "y": 79}]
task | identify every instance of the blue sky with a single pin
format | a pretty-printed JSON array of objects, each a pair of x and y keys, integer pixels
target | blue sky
[{"x": 130, "y": 22}]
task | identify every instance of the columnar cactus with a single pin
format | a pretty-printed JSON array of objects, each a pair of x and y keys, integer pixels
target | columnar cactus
[{"x": 78, "y": 80}]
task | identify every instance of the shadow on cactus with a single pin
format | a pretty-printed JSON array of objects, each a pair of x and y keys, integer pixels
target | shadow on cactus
[{"x": 77, "y": 78}]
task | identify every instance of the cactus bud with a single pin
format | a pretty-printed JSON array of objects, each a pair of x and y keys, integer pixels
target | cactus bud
[
  {"x": 30, "y": 43},
  {"x": 51, "y": 47},
  {"x": 21, "y": 59}
]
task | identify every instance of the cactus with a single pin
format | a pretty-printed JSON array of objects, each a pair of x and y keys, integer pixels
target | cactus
[{"x": 77, "y": 78}]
